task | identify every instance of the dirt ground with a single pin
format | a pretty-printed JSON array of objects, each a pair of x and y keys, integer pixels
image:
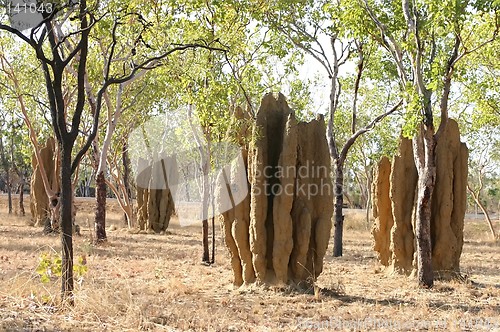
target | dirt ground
[{"x": 138, "y": 282}]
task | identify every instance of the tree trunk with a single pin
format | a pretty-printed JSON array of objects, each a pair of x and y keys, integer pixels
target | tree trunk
[
  {"x": 66, "y": 202},
  {"x": 100, "y": 209},
  {"x": 475, "y": 196},
  {"x": 9, "y": 190},
  {"x": 205, "y": 202},
  {"x": 339, "y": 202},
  {"x": 21, "y": 198},
  {"x": 488, "y": 219},
  {"x": 5, "y": 165},
  {"x": 126, "y": 184},
  {"x": 206, "y": 253},
  {"x": 213, "y": 240},
  {"x": 425, "y": 156},
  {"x": 368, "y": 202}
]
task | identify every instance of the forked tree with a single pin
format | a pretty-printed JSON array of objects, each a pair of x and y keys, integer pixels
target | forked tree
[{"x": 426, "y": 40}]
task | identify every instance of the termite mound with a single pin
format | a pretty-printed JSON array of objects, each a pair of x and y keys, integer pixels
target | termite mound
[{"x": 279, "y": 233}]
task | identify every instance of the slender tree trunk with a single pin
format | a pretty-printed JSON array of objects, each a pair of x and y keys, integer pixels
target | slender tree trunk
[
  {"x": 21, "y": 198},
  {"x": 488, "y": 219},
  {"x": 186, "y": 184},
  {"x": 66, "y": 226},
  {"x": 339, "y": 202},
  {"x": 206, "y": 253},
  {"x": 206, "y": 191},
  {"x": 368, "y": 175},
  {"x": 368, "y": 203},
  {"x": 204, "y": 166},
  {"x": 5, "y": 165},
  {"x": 9, "y": 190},
  {"x": 212, "y": 261},
  {"x": 206, "y": 201},
  {"x": 477, "y": 200},
  {"x": 100, "y": 210},
  {"x": 424, "y": 151},
  {"x": 126, "y": 184}
]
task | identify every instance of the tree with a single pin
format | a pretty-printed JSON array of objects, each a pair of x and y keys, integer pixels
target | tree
[
  {"x": 425, "y": 40},
  {"x": 476, "y": 196},
  {"x": 57, "y": 61},
  {"x": 6, "y": 169},
  {"x": 484, "y": 157},
  {"x": 477, "y": 106},
  {"x": 16, "y": 97}
]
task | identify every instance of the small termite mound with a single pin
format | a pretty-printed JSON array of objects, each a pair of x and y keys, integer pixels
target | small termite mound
[
  {"x": 155, "y": 203},
  {"x": 448, "y": 206},
  {"x": 279, "y": 233}
]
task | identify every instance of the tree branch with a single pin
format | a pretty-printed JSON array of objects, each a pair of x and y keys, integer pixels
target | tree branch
[{"x": 370, "y": 126}]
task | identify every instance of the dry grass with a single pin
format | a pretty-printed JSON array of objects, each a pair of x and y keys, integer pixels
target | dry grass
[{"x": 150, "y": 282}]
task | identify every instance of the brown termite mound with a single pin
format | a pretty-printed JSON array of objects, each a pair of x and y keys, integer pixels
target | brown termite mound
[
  {"x": 279, "y": 233},
  {"x": 403, "y": 184},
  {"x": 382, "y": 210},
  {"x": 449, "y": 202},
  {"x": 396, "y": 247},
  {"x": 39, "y": 201},
  {"x": 155, "y": 203}
]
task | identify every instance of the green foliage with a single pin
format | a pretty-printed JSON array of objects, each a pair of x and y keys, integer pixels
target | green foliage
[
  {"x": 50, "y": 266},
  {"x": 439, "y": 25},
  {"x": 411, "y": 123}
]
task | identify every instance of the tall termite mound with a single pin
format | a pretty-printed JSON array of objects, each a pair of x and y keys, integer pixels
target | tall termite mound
[
  {"x": 396, "y": 247},
  {"x": 382, "y": 212},
  {"x": 155, "y": 203},
  {"x": 403, "y": 184},
  {"x": 449, "y": 201},
  {"x": 39, "y": 201},
  {"x": 279, "y": 233}
]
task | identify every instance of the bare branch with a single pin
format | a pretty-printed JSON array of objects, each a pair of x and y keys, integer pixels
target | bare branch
[{"x": 365, "y": 129}]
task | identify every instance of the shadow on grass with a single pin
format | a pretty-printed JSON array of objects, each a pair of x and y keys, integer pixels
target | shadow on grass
[{"x": 391, "y": 301}]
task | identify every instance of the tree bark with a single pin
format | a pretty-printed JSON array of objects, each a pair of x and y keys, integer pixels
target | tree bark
[
  {"x": 5, "y": 165},
  {"x": 100, "y": 210},
  {"x": 21, "y": 198},
  {"x": 9, "y": 191},
  {"x": 66, "y": 225},
  {"x": 488, "y": 219},
  {"x": 206, "y": 196},
  {"x": 206, "y": 253},
  {"x": 477, "y": 200},
  {"x": 101, "y": 186},
  {"x": 338, "y": 215},
  {"x": 126, "y": 184},
  {"x": 368, "y": 202},
  {"x": 424, "y": 152},
  {"x": 204, "y": 167}
]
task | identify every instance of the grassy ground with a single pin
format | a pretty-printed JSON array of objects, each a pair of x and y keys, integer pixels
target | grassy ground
[{"x": 141, "y": 282}]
